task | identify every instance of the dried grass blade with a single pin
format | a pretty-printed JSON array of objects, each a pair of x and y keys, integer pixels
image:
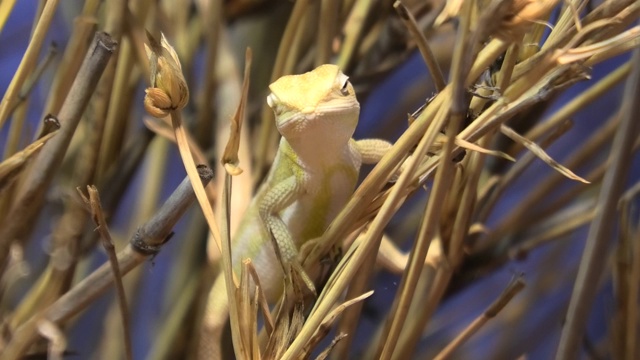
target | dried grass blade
[
  {"x": 230, "y": 158},
  {"x": 262, "y": 299},
  {"x": 247, "y": 314},
  {"x": 540, "y": 153},
  {"x": 337, "y": 340},
  {"x": 229, "y": 161},
  {"x": 327, "y": 323},
  {"x": 475, "y": 147},
  {"x": 11, "y": 167},
  {"x": 584, "y": 52}
]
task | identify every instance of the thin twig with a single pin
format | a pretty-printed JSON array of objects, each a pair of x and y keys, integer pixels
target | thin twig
[
  {"x": 514, "y": 287},
  {"x": 93, "y": 202}
]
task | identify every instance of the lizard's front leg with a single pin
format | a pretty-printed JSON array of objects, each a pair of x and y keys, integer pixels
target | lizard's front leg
[{"x": 275, "y": 200}]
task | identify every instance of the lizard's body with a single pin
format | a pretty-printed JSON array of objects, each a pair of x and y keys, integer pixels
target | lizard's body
[
  {"x": 312, "y": 177},
  {"x": 327, "y": 186}
]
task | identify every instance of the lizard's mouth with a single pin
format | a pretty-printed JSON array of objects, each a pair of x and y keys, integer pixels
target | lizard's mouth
[{"x": 275, "y": 104}]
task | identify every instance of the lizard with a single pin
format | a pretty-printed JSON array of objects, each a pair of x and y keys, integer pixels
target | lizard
[{"x": 314, "y": 173}]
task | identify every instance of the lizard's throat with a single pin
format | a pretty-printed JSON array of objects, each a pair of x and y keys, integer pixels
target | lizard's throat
[{"x": 319, "y": 150}]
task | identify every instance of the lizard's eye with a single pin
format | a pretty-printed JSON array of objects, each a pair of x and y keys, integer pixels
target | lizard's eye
[{"x": 345, "y": 88}]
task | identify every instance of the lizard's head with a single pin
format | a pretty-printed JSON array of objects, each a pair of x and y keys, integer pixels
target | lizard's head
[{"x": 322, "y": 100}]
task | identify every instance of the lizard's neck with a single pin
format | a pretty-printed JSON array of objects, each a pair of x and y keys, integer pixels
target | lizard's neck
[{"x": 318, "y": 153}]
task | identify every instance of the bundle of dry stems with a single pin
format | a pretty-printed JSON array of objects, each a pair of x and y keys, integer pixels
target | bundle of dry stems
[{"x": 507, "y": 60}]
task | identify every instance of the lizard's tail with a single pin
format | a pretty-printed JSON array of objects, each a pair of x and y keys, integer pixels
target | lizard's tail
[{"x": 215, "y": 317}]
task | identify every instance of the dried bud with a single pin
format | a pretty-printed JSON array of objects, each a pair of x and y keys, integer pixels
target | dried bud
[
  {"x": 168, "y": 89},
  {"x": 157, "y": 102}
]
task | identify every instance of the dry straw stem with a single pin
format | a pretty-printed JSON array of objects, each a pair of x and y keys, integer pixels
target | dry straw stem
[
  {"x": 205, "y": 114},
  {"x": 328, "y": 322},
  {"x": 540, "y": 153},
  {"x": 83, "y": 29},
  {"x": 559, "y": 225},
  {"x": 579, "y": 102},
  {"x": 352, "y": 32},
  {"x": 5, "y": 10},
  {"x": 454, "y": 113},
  {"x": 230, "y": 159},
  {"x": 33, "y": 78},
  {"x": 514, "y": 287},
  {"x": 163, "y": 128},
  {"x": 288, "y": 49},
  {"x": 366, "y": 192},
  {"x": 145, "y": 243},
  {"x": 327, "y": 30},
  {"x": 50, "y": 124},
  {"x": 30, "y": 198},
  {"x": 625, "y": 275},
  {"x": 244, "y": 343},
  {"x": 187, "y": 160},
  {"x": 595, "y": 174},
  {"x": 117, "y": 121},
  {"x": 95, "y": 207},
  {"x": 12, "y": 166},
  {"x": 594, "y": 256},
  {"x": 494, "y": 189},
  {"x": 436, "y": 278},
  {"x": 423, "y": 45},
  {"x": 168, "y": 95},
  {"x": 88, "y": 166},
  {"x": 522, "y": 217},
  {"x": 69, "y": 229},
  {"x": 351, "y": 317},
  {"x": 28, "y": 60},
  {"x": 17, "y": 127}
]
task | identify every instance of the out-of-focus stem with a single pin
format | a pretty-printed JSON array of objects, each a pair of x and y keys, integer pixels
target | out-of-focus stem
[
  {"x": 30, "y": 199},
  {"x": 145, "y": 243}
]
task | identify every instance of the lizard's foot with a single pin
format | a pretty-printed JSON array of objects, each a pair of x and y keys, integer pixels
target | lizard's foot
[{"x": 298, "y": 275}]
